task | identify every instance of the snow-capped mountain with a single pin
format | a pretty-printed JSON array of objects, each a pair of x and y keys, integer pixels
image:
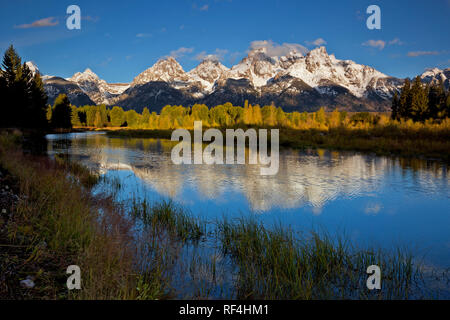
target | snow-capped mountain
[
  {"x": 97, "y": 89},
  {"x": 436, "y": 75},
  {"x": 294, "y": 81},
  {"x": 207, "y": 73},
  {"x": 84, "y": 88},
  {"x": 257, "y": 67},
  {"x": 54, "y": 86},
  {"x": 33, "y": 67},
  {"x": 166, "y": 70}
]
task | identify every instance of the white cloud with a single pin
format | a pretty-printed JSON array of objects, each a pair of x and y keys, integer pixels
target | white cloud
[
  {"x": 180, "y": 52},
  {"x": 46, "y": 22},
  {"x": 422, "y": 53},
  {"x": 318, "y": 42},
  {"x": 379, "y": 44},
  {"x": 396, "y": 41},
  {"x": 143, "y": 35},
  {"x": 275, "y": 50},
  {"x": 217, "y": 56},
  {"x": 204, "y": 8}
]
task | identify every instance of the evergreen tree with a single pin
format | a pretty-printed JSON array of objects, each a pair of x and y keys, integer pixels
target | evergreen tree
[
  {"x": 23, "y": 96},
  {"x": 405, "y": 101},
  {"x": 62, "y": 113},
  {"x": 11, "y": 73},
  {"x": 395, "y": 107},
  {"x": 419, "y": 101},
  {"x": 38, "y": 104},
  {"x": 3, "y": 104},
  {"x": 436, "y": 100}
]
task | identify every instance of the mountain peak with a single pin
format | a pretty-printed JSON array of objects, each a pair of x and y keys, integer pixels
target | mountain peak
[
  {"x": 208, "y": 72},
  {"x": 32, "y": 66},
  {"x": 87, "y": 75},
  {"x": 167, "y": 69},
  {"x": 89, "y": 72},
  {"x": 319, "y": 51},
  {"x": 431, "y": 72},
  {"x": 167, "y": 60}
]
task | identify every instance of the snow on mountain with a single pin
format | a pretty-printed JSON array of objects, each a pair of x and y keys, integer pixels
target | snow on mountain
[
  {"x": 319, "y": 68},
  {"x": 436, "y": 75},
  {"x": 296, "y": 81},
  {"x": 259, "y": 68},
  {"x": 207, "y": 73},
  {"x": 117, "y": 88},
  {"x": 167, "y": 70},
  {"x": 262, "y": 77},
  {"x": 97, "y": 89},
  {"x": 32, "y": 66}
]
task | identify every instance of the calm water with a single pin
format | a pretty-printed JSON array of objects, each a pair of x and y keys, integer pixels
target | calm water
[{"x": 375, "y": 201}]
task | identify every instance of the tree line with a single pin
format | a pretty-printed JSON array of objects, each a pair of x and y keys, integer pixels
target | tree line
[
  {"x": 23, "y": 100},
  {"x": 226, "y": 115},
  {"x": 420, "y": 102},
  {"x": 24, "y": 104}
]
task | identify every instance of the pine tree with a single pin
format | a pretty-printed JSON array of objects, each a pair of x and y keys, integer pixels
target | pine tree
[
  {"x": 419, "y": 101},
  {"x": 23, "y": 96},
  {"x": 11, "y": 73},
  {"x": 405, "y": 101},
  {"x": 395, "y": 107},
  {"x": 436, "y": 98},
  {"x": 39, "y": 103},
  {"x": 3, "y": 104}
]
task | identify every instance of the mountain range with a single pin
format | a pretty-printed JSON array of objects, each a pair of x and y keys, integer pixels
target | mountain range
[{"x": 296, "y": 81}]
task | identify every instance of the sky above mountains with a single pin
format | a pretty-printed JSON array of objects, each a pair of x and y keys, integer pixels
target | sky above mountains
[{"x": 118, "y": 40}]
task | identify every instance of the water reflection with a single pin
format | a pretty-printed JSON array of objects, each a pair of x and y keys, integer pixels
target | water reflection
[
  {"x": 311, "y": 178},
  {"x": 378, "y": 201}
]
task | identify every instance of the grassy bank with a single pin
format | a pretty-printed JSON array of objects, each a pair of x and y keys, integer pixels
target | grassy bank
[
  {"x": 161, "y": 251},
  {"x": 409, "y": 140},
  {"x": 278, "y": 263},
  {"x": 56, "y": 222}
]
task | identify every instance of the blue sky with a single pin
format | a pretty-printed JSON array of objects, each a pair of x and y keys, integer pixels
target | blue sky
[{"x": 120, "y": 39}]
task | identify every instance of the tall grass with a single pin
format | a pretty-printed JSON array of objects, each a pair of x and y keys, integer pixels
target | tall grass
[
  {"x": 280, "y": 264},
  {"x": 170, "y": 217},
  {"x": 75, "y": 227}
]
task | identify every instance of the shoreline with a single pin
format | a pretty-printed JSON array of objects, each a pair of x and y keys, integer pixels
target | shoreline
[
  {"x": 399, "y": 142},
  {"x": 61, "y": 212}
]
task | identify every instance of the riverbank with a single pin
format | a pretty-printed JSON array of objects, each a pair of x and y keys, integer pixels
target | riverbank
[
  {"x": 152, "y": 250},
  {"x": 54, "y": 221},
  {"x": 416, "y": 141}
]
